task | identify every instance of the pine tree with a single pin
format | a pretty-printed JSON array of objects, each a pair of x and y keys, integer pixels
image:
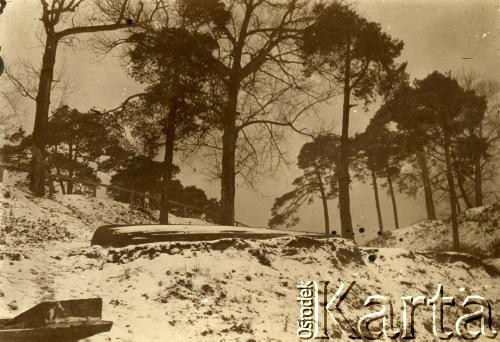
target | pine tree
[
  {"x": 354, "y": 53},
  {"x": 317, "y": 160},
  {"x": 176, "y": 64}
]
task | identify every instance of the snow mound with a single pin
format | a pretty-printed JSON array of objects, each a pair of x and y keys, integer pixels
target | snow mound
[
  {"x": 479, "y": 234},
  {"x": 233, "y": 289}
]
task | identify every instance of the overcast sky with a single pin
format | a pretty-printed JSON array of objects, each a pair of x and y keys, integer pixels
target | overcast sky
[{"x": 438, "y": 35}]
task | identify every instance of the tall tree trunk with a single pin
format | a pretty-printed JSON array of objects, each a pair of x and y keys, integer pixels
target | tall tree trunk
[
  {"x": 323, "y": 200},
  {"x": 167, "y": 164},
  {"x": 478, "y": 180},
  {"x": 393, "y": 199},
  {"x": 460, "y": 181},
  {"x": 343, "y": 171},
  {"x": 229, "y": 139},
  {"x": 426, "y": 180},
  {"x": 38, "y": 167},
  {"x": 72, "y": 154},
  {"x": 451, "y": 190},
  {"x": 377, "y": 201}
]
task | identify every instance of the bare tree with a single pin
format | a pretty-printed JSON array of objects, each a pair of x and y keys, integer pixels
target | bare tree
[
  {"x": 475, "y": 152},
  {"x": 257, "y": 52},
  {"x": 63, "y": 20},
  {"x": 486, "y": 130},
  {"x": 11, "y": 109}
]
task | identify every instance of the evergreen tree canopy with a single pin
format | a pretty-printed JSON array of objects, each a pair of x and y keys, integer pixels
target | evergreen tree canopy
[{"x": 317, "y": 160}]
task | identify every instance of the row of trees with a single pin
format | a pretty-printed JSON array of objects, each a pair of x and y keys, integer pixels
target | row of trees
[
  {"x": 140, "y": 173},
  {"x": 439, "y": 134},
  {"x": 226, "y": 75},
  {"x": 75, "y": 144},
  {"x": 225, "y": 79},
  {"x": 80, "y": 145}
]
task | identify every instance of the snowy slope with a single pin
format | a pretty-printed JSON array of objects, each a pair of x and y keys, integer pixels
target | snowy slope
[
  {"x": 228, "y": 289},
  {"x": 479, "y": 234},
  {"x": 30, "y": 220}
]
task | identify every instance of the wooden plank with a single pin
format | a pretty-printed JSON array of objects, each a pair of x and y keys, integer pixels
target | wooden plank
[
  {"x": 69, "y": 332},
  {"x": 66, "y": 320}
]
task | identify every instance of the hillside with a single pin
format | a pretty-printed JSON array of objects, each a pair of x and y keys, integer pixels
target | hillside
[
  {"x": 223, "y": 290},
  {"x": 30, "y": 220},
  {"x": 479, "y": 233}
]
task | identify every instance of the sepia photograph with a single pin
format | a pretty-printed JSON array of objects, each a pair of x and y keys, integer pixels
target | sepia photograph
[{"x": 249, "y": 170}]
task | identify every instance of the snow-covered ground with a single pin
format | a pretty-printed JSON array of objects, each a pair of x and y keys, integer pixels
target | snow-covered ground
[
  {"x": 26, "y": 219},
  {"x": 479, "y": 232},
  {"x": 222, "y": 290}
]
